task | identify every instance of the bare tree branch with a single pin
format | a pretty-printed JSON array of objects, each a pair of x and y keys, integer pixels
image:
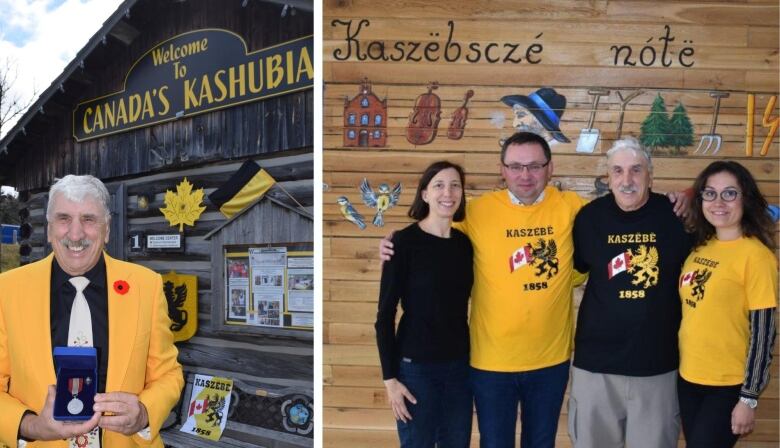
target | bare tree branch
[{"x": 12, "y": 105}]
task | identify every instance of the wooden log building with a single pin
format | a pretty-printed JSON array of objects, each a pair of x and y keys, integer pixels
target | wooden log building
[
  {"x": 718, "y": 59},
  {"x": 175, "y": 89}
]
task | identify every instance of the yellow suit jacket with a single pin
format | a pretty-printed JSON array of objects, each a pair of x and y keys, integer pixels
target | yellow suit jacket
[{"x": 141, "y": 358}]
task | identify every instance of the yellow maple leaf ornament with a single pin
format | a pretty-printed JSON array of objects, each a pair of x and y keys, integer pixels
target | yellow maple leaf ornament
[{"x": 183, "y": 207}]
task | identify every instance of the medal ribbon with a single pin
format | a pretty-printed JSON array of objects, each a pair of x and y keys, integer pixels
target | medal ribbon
[{"x": 75, "y": 385}]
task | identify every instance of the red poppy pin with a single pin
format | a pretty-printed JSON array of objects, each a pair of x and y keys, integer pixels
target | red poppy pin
[{"x": 121, "y": 287}]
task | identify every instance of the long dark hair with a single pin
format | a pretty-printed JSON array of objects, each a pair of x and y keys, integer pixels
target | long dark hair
[
  {"x": 419, "y": 209},
  {"x": 756, "y": 222}
]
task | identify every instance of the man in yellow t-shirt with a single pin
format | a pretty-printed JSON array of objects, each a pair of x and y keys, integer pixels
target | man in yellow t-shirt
[{"x": 521, "y": 311}]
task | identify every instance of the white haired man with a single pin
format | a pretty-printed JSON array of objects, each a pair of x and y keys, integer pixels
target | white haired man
[
  {"x": 624, "y": 373},
  {"x": 139, "y": 378}
]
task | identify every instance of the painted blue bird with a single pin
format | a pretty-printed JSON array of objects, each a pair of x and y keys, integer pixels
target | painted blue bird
[
  {"x": 381, "y": 201},
  {"x": 350, "y": 213}
]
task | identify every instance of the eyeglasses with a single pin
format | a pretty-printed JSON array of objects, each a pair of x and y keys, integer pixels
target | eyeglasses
[
  {"x": 726, "y": 195},
  {"x": 533, "y": 168}
]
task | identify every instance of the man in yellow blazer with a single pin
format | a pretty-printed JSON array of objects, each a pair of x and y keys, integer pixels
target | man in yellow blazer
[{"x": 143, "y": 379}]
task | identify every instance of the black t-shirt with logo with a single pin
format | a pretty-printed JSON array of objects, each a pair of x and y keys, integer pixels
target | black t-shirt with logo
[{"x": 630, "y": 312}]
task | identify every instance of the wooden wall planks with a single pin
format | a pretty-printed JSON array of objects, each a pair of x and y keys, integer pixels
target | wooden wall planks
[{"x": 735, "y": 50}]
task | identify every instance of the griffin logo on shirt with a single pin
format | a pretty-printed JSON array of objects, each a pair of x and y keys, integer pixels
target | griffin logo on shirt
[
  {"x": 697, "y": 279},
  {"x": 642, "y": 263},
  {"x": 644, "y": 266},
  {"x": 543, "y": 256}
]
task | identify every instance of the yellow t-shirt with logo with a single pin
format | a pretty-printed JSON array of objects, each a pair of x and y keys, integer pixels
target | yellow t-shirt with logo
[
  {"x": 521, "y": 302},
  {"x": 721, "y": 282}
]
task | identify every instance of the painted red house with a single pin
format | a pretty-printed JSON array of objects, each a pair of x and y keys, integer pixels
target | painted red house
[{"x": 365, "y": 119}]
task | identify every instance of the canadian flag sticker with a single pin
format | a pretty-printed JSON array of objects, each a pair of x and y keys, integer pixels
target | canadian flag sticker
[
  {"x": 521, "y": 257},
  {"x": 687, "y": 278},
  {"x": 619, "y": 264},
  {"x": 199, "y": 406}
]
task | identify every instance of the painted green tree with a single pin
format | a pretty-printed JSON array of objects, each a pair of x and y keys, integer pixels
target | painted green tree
[
  {"x": 656, "y": 127},
  {"x": 681, "y": 129}
]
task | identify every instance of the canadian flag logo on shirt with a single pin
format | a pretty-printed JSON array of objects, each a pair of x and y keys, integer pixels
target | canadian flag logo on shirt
[
  {"x": 619, "y": 264},
  {"x": 687, "y": 278},
  {"x": 199, "y": 406},
  {"x": 521, "y": 257}
]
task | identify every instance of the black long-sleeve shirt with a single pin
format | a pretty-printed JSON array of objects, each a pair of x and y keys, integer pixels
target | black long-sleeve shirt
[{"x": 432, "y": 279}]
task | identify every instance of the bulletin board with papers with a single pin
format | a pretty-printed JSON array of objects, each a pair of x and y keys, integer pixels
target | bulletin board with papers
[{"x": 270, "y": 286}]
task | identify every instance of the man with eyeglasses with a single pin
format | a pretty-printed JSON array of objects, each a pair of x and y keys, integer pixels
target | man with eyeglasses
[
  {"x": 624, "y": 373},
  {"x": 521, "y": 309}
]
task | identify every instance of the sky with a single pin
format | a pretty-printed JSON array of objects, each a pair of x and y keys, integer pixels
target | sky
[{"x": 40, "y": 37}]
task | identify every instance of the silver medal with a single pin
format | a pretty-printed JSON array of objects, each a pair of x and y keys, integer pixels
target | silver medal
[{"x": 75, "y": 406}]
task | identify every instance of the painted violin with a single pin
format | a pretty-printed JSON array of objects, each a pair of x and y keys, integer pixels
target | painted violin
[
  {"x": 459, "y": 117},
  {"x": 424, "y": 119}
]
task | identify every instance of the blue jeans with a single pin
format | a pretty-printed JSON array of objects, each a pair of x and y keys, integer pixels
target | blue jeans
[
  {"x": 442, "y": 415},
  {"x": 540, "y": 394}
]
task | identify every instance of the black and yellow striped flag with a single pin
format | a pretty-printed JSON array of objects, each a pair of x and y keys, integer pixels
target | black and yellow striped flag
[{"x": 244, "y": 187}]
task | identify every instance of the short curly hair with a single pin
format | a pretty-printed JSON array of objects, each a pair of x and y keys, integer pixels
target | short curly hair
[{"x": 76, "y": 188}]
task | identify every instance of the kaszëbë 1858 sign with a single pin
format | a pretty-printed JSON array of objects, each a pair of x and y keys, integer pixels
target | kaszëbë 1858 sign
[{"x": 193, "y": 73}]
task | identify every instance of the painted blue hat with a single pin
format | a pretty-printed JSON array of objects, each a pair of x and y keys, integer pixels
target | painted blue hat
[{"x": 546, "y": 105}]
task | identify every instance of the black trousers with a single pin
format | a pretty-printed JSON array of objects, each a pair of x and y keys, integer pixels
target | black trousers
[{"x": 705, "y": 412}]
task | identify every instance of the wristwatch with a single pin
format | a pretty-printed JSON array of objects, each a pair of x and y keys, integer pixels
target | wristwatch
[{"x": 752, "y": 403}]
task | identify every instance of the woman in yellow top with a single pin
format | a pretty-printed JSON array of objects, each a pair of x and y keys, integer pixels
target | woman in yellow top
[{"x": 728, "y": 290}]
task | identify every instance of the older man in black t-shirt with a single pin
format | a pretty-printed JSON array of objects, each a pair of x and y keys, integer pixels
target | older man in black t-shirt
[{"x": 626, "y": 357}]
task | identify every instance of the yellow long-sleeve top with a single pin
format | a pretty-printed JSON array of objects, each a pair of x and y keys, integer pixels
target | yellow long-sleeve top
[{"x": 521, "y": 308}]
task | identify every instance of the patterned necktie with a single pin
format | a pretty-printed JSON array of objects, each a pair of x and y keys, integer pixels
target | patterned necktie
[
  {"x": 80, "y": 330},
  {"x": 80, "y": 335}
]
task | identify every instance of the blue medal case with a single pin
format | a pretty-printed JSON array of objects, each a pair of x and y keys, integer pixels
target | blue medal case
[{"x": 75, "y": 362}]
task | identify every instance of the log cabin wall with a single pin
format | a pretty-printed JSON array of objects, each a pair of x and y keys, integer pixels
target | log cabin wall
[
  {"x": 207, "y": 149},
  {"x": 688, "y": 53}
]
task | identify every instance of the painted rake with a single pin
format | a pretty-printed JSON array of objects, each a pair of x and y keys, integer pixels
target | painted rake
[{"x": 712, "y": 140}]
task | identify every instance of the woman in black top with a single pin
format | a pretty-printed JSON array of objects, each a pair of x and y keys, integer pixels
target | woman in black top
[{"x": 425, "y": 364}]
